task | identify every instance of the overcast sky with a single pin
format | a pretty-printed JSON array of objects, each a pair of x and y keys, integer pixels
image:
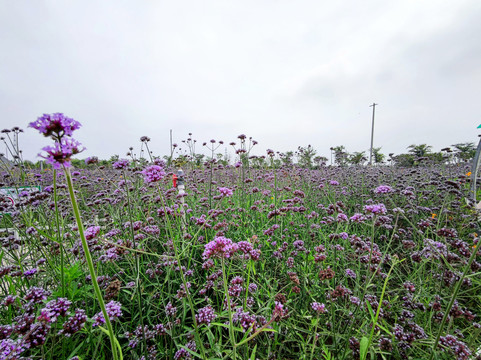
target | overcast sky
[{"x": 287, "y": 73}]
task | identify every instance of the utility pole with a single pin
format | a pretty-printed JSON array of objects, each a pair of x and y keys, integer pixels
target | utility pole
[{"x": 372, "y": 131}]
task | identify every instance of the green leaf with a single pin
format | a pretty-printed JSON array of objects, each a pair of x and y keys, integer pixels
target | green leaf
[
  {"x": 364, "y": 346},
  {"x": 253, "y": 355},
  {"x": 115, "y": 340}
]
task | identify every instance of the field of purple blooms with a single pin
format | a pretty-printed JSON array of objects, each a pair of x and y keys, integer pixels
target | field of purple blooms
[{"x": 250, "y": 263}]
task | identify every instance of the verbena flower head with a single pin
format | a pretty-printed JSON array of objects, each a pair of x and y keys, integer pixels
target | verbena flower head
[
  {"x": 205, "y": 315},
  {"x": 225, "y": 191},
  {"x": 121, "y": 164},
  {"x": 60, "y": 153},
  {"x": 91, "y": 160},
  {"x": 318, "y": 307},
  {"x": 376, "y": 209},
  {"x": 56, "y": 124},
  {"x": 221, "y": 247},
  {"x": 383, "y": 189},
  {"x": 153, "y": 173},
  {"x": 114, "y": 311}
]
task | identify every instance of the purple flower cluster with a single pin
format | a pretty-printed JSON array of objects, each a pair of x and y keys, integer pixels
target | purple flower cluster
[
  {"x": 376, "y": 209},
  {"x": 55, "y": 124},
  {"x": 54, "y": 309},
  {"x": 60, "y": 128},
  {"x": 225, "y": 192},
  {"x": 153, "y": 173},
  {"x": 318, "y": 307},
  {"x": 220, "y": 247},
  {"x": 61, "y": 152},
  {"x": 205, "y": 315},
  {"x": 383, "y": 189},
  {"x": 113, "y": 311},
  {"x": 121, "y": 164},
  {"x": 457, "y": 347},
  {"x": 74, "y": 323}
]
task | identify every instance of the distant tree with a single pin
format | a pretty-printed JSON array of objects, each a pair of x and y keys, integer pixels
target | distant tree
[
  {"x": 419, "y": 150},
  {"x": 287, "y": 158},
  {"x": 378, "y": 157},
  {"x": 78, "y": 164},
  {"x": 341, "y": 156},
  {"x": 434, "y": 158},
  {"x": 358, "y": 158},
  {"x": 306, "y": 154},
  {"x": 320, "y": 161},
  {"x": 403, "y": 160},
  {"x": 198, "y": 160},
  {"x": 465, "y": 151},
  {"x": 258, "y": 162}
]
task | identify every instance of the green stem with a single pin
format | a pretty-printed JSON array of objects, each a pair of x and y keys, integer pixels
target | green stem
[
  {"x": 59, "y": 239},
  {"x": 451, "y": 302},
  {"x": 231, "y": 328},
  {"x": 88, "y": 258},
  {"x": 374, "y": 324},
  {"x": 182, "y": 275}
]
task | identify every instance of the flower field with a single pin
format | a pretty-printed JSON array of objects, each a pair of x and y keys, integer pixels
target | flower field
[{"x": 250, "y": 263}]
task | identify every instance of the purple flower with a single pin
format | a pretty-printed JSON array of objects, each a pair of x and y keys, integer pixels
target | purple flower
[
  {"x": 318, "y": 307},
  {"x": 56, "y": 123},
  {"x": 59, "y": 155},
  {"x": 357, "y": 218},
  {"x": 170, "y": 310},
  {"x": 113, "y": 311},
  {"x": 74, "y": 323},
  {"x": 91, "y": 160},
  {"x": 36, "y": 295},
  {"x": 92, "y": 232},
  {"x": 459, "y": 348},
  {"x": 383, "y": 189},
  {"x": 333, "y": 182},
  {"x": 153, "y": 173},
  {"x": 30, "y": 273},
  {"x": 205, "y": 315},
  {"x": 121, "y": 164},
  {"x": 221, "y": 247},
  {"x": 350, "y": 273},
  {"x": 10, "y": 349},
  {"x": 225, "y": 191},
  {"x": 279, "y": 311},
  {"x": 54, "y": 309},
  {"x": 376, "y": 209}
]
